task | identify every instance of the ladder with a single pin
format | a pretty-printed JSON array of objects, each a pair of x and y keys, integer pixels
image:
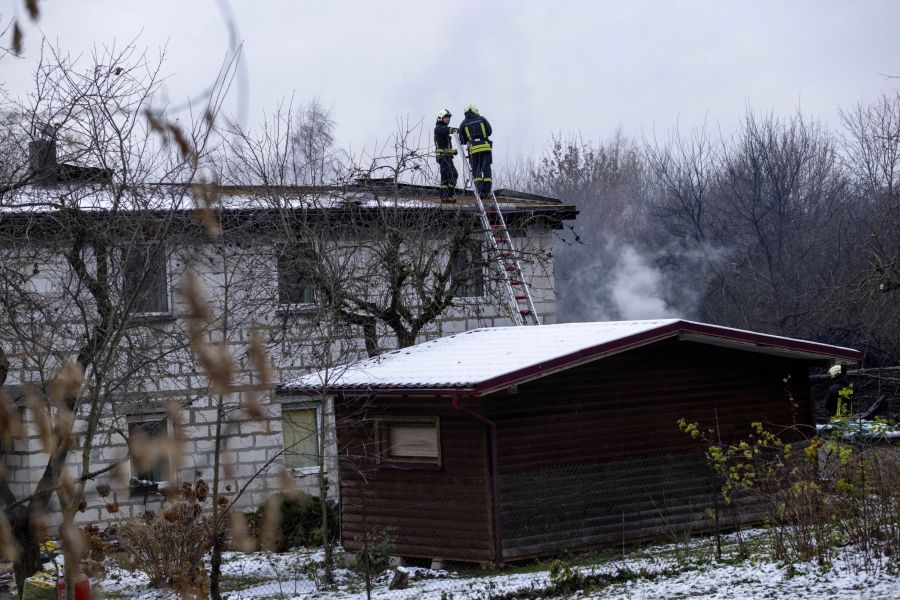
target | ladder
[{"x": 502, "y": 254}]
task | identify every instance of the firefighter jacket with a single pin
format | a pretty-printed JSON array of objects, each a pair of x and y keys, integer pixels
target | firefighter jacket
[
  {"x": 474, "y": 130},
  {"x": 442, "y": 141},
  {"x": 839, "y": 400}
]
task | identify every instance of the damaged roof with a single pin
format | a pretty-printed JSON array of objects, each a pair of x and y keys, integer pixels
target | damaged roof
[
  {"x": 482, "y": 361},
  {"x": 93, "y": 197}
]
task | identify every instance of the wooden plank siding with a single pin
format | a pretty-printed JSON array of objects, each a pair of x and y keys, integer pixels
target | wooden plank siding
[
  {"x": 593, "y": 454},
  {"x": 438, "y": 513},
  {"x": 588, "y": 456}
]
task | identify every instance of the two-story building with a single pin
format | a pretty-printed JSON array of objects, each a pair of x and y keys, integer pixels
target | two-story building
[{"x": 316, "y": 276}]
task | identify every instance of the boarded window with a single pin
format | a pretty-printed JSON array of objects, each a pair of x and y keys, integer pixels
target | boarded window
[
  {"x": 145, "y": 276},
  {"x": 300, "y": 434},
  {"x": 409, "y": 440},
  {"x": 148, "y": 455},
  {"x": 294, "y": 283},
  {"x": 468, "y": 270}
]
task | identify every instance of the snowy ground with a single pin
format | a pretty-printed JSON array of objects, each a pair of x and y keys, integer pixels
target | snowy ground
[{"x": 672, "y": 571}]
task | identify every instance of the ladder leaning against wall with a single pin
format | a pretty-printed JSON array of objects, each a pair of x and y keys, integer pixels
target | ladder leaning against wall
[{"x": 502, "y": 255}]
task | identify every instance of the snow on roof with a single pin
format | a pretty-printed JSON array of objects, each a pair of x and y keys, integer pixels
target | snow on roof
[
  {"x": 484, "y": 360},
  {"x": 99, "y": 198}
]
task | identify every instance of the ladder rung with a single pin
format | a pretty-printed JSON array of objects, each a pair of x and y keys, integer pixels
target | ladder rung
[
  {"x": 515, "y": 282},
  {"x": 521, "y": 297},
  {"x": 512, "y": 268},
  {"x": 496, "y": 226},
  {"x": 505, "y": 254},
  {"x": 525, "y": 312},
  {"x": 500, "y": 240}
]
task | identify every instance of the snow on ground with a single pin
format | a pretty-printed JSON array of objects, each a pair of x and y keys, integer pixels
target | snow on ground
[
  {"x": 759, "y": 580},
  {"x": 670, "y": 571}
]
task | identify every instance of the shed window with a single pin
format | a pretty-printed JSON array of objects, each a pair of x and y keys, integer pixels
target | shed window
[
  {"x": 300, "y": 434},
  {"x": 409, "y": 440},
  {"x": 146, "y": 278}
]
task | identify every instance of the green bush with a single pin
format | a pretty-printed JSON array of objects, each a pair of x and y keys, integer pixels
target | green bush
[{"x": 300, "y": 523}]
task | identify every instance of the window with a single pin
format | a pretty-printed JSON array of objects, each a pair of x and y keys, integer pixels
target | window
[
  {"x": 300, "y": 435},
  {"x": 409, "y": 440},
  {"x": 145, "y": 276},
  {"x": 149, "y": 458},
  {"x": 469, "y": 267},
  {"x": 294, "y": 286}
]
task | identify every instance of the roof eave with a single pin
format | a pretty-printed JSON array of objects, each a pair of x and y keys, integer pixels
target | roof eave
[{"x": 466, "y": 390}]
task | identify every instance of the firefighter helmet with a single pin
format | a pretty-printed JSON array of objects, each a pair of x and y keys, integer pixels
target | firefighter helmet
[
  {"x": 835, "y": 371},
  {"x": 444, "y": 113},
  {"x": 471, "y": 108}
]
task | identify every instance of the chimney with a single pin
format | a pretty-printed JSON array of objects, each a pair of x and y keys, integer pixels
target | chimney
[{"x": 42, "y": 160}]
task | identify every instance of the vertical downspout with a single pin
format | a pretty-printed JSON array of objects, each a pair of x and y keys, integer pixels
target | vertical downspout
[{"x": 494, "y": 475}]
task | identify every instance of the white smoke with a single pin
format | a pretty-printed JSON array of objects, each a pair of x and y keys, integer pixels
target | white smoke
[{"x": 636, "y": 287}]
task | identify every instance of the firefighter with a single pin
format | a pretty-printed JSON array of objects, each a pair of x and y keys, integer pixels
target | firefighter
[
  {"x": 444, "y": 152},
  {"x": 839, "y": 400},
  {"x": 474, "y": 130}
]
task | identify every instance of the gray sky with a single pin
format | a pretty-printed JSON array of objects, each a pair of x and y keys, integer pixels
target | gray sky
[{"x": 534, "y": 68}]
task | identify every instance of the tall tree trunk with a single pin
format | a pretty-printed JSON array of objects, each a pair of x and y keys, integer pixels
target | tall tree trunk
[
  {"x": 323, "y": 496},
  {"x": 217, "y": 533}
]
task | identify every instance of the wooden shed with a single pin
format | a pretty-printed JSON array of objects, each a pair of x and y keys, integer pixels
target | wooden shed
[{"x": 504, "y": 443}]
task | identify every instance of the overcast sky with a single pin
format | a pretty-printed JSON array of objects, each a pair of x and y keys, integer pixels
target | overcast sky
[{"x": 534, "y": 68}]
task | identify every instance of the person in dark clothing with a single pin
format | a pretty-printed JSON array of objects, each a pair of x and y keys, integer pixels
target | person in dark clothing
[
  {"x": 444, "y": 152},
  {"x": 839, "y": 399},
  {"x": 474, "y": 131}
]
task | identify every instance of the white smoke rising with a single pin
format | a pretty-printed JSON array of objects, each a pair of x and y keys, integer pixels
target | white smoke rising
[{"x": 636, "y": 288}]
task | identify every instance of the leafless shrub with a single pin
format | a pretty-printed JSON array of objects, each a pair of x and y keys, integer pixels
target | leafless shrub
[
  {"x": 817, "y": 492},
  {"x": 170, "y": 546}
]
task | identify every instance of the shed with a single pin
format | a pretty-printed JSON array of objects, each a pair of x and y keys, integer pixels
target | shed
[{"x": 510, "y": 442}]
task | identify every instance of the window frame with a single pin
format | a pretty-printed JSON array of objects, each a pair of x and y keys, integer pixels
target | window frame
[
  {"x": 476, "y": 279},
  {"x": 382, "y": 432},
  {"x": 164, "y": 464},
  {"x": 319, "y": 416},
  {"x": 128, "y": 281},
  {"x": 292, "y": 257}
]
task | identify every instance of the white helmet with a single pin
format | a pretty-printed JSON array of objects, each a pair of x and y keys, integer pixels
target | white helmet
[
  {"x": 443, "y": 113},
  {"x": 835, "y": 371},
  {"x": 471, "y": 108}
]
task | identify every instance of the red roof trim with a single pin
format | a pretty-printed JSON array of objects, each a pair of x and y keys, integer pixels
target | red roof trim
[{"x": 655, "y": 335}]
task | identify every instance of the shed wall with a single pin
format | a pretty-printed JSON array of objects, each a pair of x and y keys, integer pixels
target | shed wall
[
  {"x": 430, "y": 513},
  {"x": 593, "y": 455}
]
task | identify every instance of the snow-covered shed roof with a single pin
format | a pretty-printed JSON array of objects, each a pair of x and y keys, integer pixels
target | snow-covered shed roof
[{"x": 481, "y": 361}]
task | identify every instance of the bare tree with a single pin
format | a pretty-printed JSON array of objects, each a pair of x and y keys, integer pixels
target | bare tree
[
  {"x": 767, "y": 202},
  {"x": 376, "y": 251},
  {"x": 79, "y": 322},
  {"x": 871, "y": 151}
]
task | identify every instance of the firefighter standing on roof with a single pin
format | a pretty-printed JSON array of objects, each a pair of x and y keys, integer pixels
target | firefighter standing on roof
[
  {"x": 474, "y": 130},
  {"x": 444, "y": 151}
]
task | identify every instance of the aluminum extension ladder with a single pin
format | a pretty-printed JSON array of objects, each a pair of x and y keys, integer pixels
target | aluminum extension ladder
[{"x": 502, "y": 254}]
